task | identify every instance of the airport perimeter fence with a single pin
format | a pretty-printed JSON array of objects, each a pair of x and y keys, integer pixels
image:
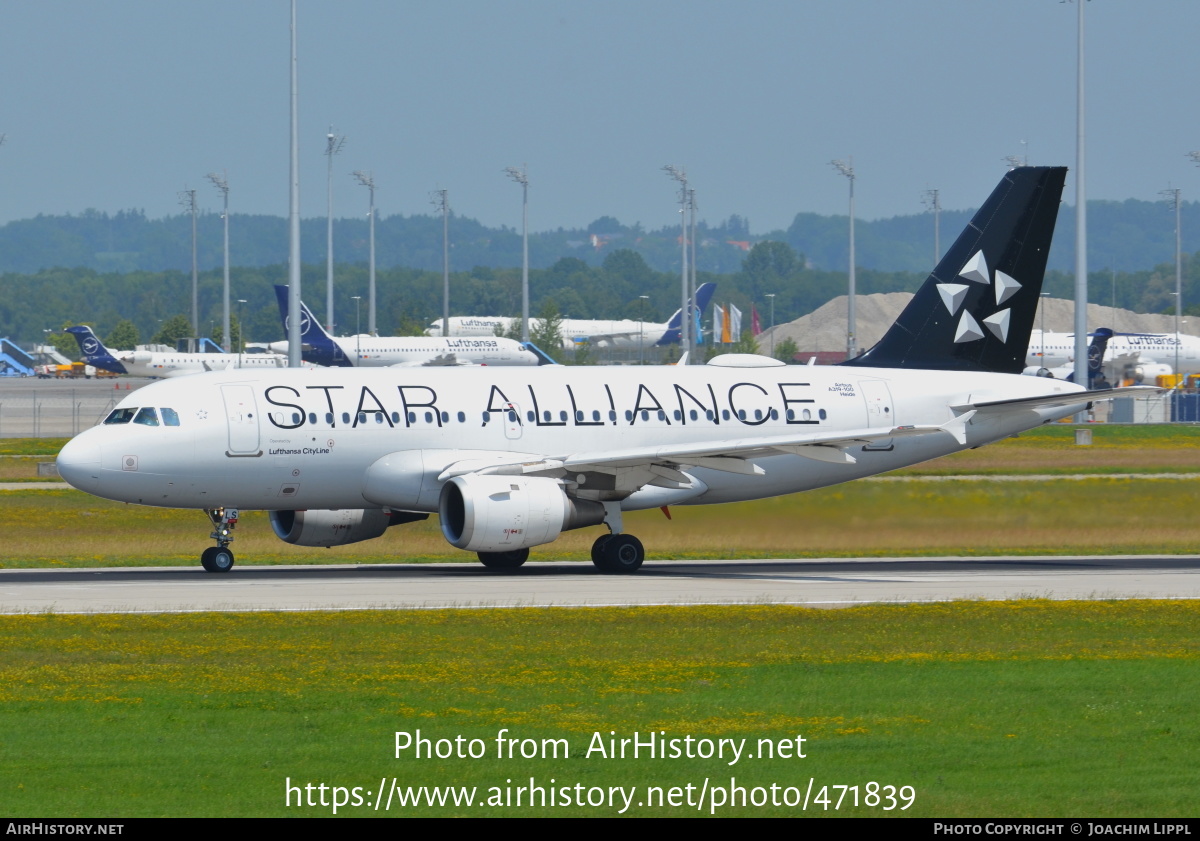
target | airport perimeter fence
[{"x": 54, "y": 412}]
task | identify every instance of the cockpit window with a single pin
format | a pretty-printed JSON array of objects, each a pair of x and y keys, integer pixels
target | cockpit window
[
  {"x": 120, "y": 416},
  {"x": 170, "y": 417},
  {"x": 146, "y": 416}
]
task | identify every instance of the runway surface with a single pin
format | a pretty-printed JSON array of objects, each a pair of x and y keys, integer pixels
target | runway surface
[{"x": 817, "y": 583}]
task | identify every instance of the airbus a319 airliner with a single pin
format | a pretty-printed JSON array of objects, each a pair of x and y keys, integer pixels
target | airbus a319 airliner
[{"x": 510, "y": 458}]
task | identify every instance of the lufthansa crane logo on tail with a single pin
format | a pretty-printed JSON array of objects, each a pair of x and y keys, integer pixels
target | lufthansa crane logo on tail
[
  {"x": 305, "y": 323},
  {"x": 953, "y": 294},
  {"x": 90, "y": 346}
]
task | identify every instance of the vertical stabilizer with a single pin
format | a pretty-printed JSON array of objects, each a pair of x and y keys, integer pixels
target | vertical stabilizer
[
  {"x": 704, "y": 294},
  {"x": 94, "y": 352},
  {"x": 976, "y": 310},
  {"x": 317, "y": 346}
]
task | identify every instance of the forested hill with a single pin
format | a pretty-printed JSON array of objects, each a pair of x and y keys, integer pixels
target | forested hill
[{"x": 1127, "y": 236}]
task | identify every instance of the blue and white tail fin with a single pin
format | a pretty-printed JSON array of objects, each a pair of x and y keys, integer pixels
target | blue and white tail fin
[
  {"x": 317, "y": 346},
  {"x": 94, "y": 352},
  {"x": 1095, "y": 366},
  {"x": 976, "y": 310},
  {"x": 704, "y": 294}
]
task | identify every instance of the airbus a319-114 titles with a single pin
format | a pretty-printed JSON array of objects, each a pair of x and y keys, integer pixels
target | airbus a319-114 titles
[{"x": 511, "y": 457}]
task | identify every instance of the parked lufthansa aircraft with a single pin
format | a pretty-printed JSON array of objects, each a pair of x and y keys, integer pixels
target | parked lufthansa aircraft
[
  {"x": 511, "y": 457},
  {"x": 367, "y": 351},
  {"x": 1136, "y": 356},
  {"x": 624, "y": 333},
  {"x": 146, "y": 363}
]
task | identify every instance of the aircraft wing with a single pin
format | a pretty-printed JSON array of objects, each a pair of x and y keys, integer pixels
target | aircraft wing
[
  {"x": 602, "y": 339},
  {"x": 445, "y": 360},
  {"x": 729, "y": 455},
  {"x": 659, "y": 465}
]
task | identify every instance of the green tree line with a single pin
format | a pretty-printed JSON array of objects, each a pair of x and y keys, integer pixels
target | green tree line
[
  {"x": 35, "y": 305},
  {"x": 1127, "y": 235}
]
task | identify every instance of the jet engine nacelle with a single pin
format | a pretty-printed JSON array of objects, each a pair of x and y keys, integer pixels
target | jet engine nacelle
[
  {"x": 1038, "y": 371},
  {"x": 490, "y": 513},
  {"x": 335, "y": 528},
  {"x": 1150, "y": 371}
]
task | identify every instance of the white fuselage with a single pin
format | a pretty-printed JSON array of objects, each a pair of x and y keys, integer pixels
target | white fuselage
[
  {"x": 309, "y": 439},
  {"x": 624, "y": 333},
  {"x": 144, "y": 363},
  {"x": 1054, "y": 349},
  {"x": 366, "y": 351}
]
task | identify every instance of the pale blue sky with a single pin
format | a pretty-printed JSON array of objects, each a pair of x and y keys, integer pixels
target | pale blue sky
[{"x": 120, "y": 104}]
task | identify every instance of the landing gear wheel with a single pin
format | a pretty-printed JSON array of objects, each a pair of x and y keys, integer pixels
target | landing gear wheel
[
  {"x": 621, "y": 554},
  {"x": 598, "y": 549},
  {"x": 504, "y": 560},
  {"x": 217, "y": 559}
]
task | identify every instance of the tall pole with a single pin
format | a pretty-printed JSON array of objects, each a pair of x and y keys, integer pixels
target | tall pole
[
  {"x": 187, "y": 198},
  {"x": 846, "y": 168},
  {"x": 241, "y": 342},
  {"x": 692, "y": 313},
  {"x": 1081, "y": 289},
  {"x": 1042, "y": 307},
  {"x": 294, "y": 334},
  {"x": 367, "y": 179},
  {"x": 441, "y": 202},
  {"x": 932, "y": 200},
  {"x": 333, "y": 145},
  {"x": 642, "y": 329},
  {"x": 521, "y": 176},
  {"x": 221, "y": 182},
  {"x": 357, "y": 329},
  {"x": 685, "y": 334},
  {"x": 771, "y": 298},
  {"x": 1172, "y": 197}
]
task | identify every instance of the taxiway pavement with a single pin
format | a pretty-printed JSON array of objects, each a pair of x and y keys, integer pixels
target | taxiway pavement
[{"x": 817, "y": 583}]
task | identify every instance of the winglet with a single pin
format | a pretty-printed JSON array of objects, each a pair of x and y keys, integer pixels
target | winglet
[{"x": 543, "y": 358}]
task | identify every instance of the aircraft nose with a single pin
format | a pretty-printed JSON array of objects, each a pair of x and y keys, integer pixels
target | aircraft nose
[{"x": 79, "y": 462}]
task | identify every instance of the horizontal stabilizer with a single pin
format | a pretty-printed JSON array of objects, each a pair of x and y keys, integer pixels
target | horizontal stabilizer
[{"x": 1070, "y": 398}]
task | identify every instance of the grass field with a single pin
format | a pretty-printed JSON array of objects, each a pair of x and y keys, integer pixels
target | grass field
[
  {"x": 985, "y": 709},
  {"x": 1102, "y": 515}
]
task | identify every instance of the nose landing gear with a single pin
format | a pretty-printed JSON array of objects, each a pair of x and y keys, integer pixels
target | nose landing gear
[{"x": 219, "y": 558}]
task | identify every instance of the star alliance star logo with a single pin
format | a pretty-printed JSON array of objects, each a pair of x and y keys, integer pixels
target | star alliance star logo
[{"x": 953, "y": 295}]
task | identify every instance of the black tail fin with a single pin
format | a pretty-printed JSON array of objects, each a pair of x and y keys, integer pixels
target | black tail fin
[{"x": 976, "y": 311}]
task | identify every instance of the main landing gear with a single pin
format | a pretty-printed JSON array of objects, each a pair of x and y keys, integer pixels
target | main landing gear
[
  {"x": 617, "y": 553},
  {"x": 219, "y": 558}
]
